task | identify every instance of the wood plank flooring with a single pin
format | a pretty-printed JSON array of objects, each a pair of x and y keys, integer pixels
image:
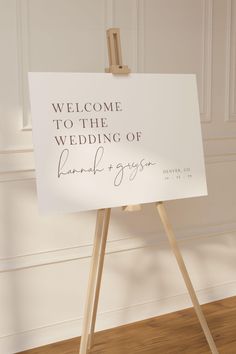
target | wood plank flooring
[{"x": 175, "y": 333}]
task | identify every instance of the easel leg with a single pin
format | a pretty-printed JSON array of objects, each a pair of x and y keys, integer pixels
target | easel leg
[
  {"x": 182, "y": 267},
  {"x": 102, "y": 223},
  {"x": 99, "y": 274}
]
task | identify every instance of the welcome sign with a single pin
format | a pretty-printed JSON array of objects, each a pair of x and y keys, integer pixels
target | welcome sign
[{"x": 104, "y": 141}]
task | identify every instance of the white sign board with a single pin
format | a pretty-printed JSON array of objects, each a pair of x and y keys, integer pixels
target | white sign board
[{"x": 103, "y": 140}]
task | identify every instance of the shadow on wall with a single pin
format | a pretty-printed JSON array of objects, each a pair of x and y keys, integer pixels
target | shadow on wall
[
  {"x": 147, "y": 264},
  {"x": 208, "y": 259}
]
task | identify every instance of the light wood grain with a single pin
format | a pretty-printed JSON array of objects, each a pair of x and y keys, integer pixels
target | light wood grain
[
  {"x": 175, "y": 333},
  {"x": 94, "y": 278},
  {"x": 114, "y": 53},
  {"x": 175, "y": 248},
  {"x": 106, "y": 221}
]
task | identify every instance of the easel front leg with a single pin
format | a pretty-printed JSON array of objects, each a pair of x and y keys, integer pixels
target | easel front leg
[
  {"x": 106, "y": 221},
  {"x": 103, "y": 216},
  {"x": 174, "y": 246}
]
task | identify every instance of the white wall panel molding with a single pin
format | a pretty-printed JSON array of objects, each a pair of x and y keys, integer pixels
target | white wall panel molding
[
  {"x": 214, "y": 159},
  {"x": 230, "y": 109},
  {"x": 22, "y": 12},
  {"x": 205, "y": 89},
  {"x": 140, "y": 43},
  {"x": 17, "y": 176},
  {"x": 139, "y": 58},
  {"x": 22, "y": 9},
  {"x": 49, "y": 257},
  {"x": 72, "y": 328},
  {"x": 222, "y": 147},
  {"x": 206, "y": 72},
  {"x": 12, "y": 161},
  {"x": 109, "y": 14}
]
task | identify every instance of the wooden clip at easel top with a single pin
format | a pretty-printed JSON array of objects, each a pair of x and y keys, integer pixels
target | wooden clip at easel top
[{"x": 114, "y": 53}]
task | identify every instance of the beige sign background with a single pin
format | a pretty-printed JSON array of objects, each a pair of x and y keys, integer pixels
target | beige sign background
[{"x": 104, "y": 141}]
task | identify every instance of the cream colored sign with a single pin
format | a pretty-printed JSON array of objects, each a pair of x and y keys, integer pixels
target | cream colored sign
[{"x": 104, "y": 141}]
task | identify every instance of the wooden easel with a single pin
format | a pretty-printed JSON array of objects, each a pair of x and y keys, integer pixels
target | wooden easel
[{"x": 100, "y": 239}]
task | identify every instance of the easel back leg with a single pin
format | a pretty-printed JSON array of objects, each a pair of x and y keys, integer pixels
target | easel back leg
[{"x": 175, "y": 248}]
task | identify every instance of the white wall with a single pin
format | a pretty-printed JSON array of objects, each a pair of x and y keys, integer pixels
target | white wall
[{"x": 44, "y": 260}]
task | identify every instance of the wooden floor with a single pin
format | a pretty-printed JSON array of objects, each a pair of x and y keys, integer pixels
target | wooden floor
[{"x": 175, "y": 333}]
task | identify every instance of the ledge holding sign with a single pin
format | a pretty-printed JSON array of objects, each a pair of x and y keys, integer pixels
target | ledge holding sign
[{"x": 105, "y": 141}]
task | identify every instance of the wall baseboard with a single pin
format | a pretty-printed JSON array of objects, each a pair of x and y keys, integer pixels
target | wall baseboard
[{"x": 137, "y": 312}]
